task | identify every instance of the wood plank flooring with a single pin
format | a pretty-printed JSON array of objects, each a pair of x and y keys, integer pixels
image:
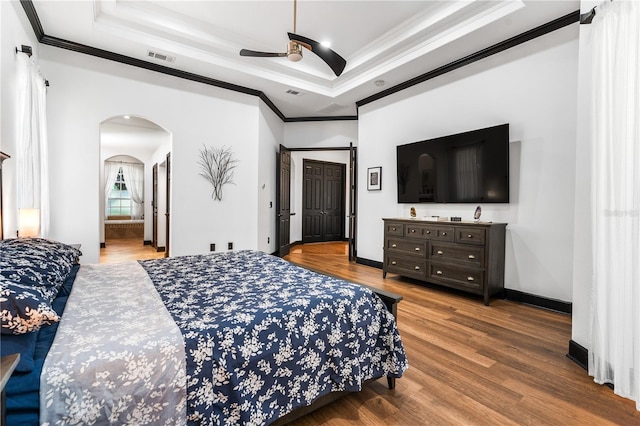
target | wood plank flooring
[
  {"x": 469, "y": 364},
  {"x": 124, "y": 249}
]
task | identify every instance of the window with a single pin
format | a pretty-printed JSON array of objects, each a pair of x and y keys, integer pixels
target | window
[{"x": 119, "y": 202}]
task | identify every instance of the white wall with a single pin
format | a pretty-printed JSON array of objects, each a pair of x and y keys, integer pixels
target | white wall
[
  {"x": 86, "y": 90},
  {"x": 271, "y": 135},
  {"x": 533, "y": 88},
  {"x": 15, "y": 31},
  {"x": 321, "y": 134}
]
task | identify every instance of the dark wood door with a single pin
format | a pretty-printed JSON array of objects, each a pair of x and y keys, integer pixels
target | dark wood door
[
  {"x": 352, "y": 202},
  {"x": 168, "y": 209},
  {"x": 323, "y": 203},
  {"x": 283, "y": 202},
  {"x": 154, "y": 206}
]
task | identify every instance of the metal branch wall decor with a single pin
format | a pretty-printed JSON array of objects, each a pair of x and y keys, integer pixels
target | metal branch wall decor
[{"x": 216, "y": 166}]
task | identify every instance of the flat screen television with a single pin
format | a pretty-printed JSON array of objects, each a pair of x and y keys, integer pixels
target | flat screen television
[{"x": 469, "y": 167}]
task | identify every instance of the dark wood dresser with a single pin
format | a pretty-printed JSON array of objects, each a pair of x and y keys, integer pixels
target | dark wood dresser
[{"x": 467, "y": 256}]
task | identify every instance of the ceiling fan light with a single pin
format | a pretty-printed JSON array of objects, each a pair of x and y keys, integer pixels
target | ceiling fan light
[{"x": 294, "y": 52}]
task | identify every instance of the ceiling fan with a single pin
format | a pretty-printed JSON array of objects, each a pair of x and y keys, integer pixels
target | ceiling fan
[{"x": 294, "y": 50}]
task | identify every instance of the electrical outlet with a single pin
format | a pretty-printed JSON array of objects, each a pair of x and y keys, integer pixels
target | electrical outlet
[
  {"x": 212, "y": 247},
  {"x": 230, "y": 246},
  {"x": 268, "y": 240},
  {"x": 270, "y": 204}
]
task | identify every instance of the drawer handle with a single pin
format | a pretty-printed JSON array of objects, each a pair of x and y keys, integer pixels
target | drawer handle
[
  {"x": 471, "y": 256},
  {"x": 393, "y": 245},
  {"x": 417, "y": 268},
  {"x": 444, "y": 234},
  {"x": 393, "y": 263},
  {"x": 469, "y": 236},
  {"x": 438, "y": 272},
  {"x": 470, "y": 279},
  {"x": 440, "y": 252},
  {"x": 428, "y": 232},
  {"x": 417, "y": 248},
  {"x": 413, "y": 231},
  {"x": 393, "y": 229}
]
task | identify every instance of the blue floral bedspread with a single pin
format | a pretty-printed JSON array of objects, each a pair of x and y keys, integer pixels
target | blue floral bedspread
[{"x": 263, "y": 336}]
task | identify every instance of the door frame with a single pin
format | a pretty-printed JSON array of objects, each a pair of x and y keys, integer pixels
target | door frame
[
  {"x": 283, "y": 202},
  {"x": 168, "y": 205},
  {"x": 353, "y": 213},
  {"x": 154, "y": 206},
  {"x": 343, "y": 198}
]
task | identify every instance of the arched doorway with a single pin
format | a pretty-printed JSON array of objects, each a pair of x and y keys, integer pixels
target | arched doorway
[{"x": 133, "y": 153}]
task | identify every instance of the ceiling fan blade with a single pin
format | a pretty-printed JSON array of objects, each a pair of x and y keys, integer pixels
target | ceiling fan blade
[
  {"x": 246, "y": 52},
  {"x": 335, "y": 61}
]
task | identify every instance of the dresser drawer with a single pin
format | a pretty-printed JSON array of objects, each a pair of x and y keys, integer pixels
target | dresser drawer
[
  {"x": 470, "y": 236},
  {"x": 429, "y": 232},
  {"x": 407, "y": 266},
  {"x": 407, "y": 246},
  {"x": 457, "y": 253},
  {"x": 393, "y": 228},
  {"x": 469, "y": 278}
]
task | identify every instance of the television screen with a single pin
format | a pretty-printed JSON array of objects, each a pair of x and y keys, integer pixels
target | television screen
[{"x": 469, "y": 167}]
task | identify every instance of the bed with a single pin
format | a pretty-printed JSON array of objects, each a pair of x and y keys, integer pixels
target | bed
[{"x": 240, "y": 337}]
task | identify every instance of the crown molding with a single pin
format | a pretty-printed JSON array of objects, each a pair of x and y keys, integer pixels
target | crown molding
[
  {"x": 43, "y": 38},
  {"x": 551, "y": 26}
]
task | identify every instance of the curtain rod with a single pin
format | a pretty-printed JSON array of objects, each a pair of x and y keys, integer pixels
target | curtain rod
[
  {"x": 587, "y": 17},
  {"x": 29, "y": 51}
]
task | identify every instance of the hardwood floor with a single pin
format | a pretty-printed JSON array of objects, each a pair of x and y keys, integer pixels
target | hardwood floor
[
  {"x": 469, "y": 364},
  {"x": 124, "y": 249}
]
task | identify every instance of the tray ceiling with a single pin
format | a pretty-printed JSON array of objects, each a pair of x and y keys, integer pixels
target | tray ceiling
[{"x": 388, "y": 41}]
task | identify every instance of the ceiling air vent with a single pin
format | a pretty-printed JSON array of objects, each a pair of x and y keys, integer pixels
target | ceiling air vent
[
  {"x": 161, "y": 56},
  {"x": 294, "y": 92}
]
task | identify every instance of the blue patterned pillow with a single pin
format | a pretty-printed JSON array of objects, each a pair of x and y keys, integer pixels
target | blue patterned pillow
[
  {"x": 24, "y": 308},
  {"x": 36, "y": 261}
]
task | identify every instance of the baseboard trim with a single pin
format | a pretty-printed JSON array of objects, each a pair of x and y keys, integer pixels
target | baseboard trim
[
  {"x": 578, "y": 354},
  {"x": 103, "y": 245},
  {"x": 367, "y": 262},
  {"x": 539, "y": 301},
  {"x": 160, "y": 249},
  {"x": 147, "y": 243}
]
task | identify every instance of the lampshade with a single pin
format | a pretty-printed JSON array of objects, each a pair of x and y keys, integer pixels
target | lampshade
[{"x": 28, "y": 222}]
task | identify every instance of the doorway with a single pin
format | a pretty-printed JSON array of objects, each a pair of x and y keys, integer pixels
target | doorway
[
  {"x": 159, "y": 206},
  {"x": 289, "y": 205},
  {"x": 131, "y": 139}
]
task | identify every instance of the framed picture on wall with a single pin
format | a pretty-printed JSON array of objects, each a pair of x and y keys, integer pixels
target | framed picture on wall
[{"x": 374, "y": 178}]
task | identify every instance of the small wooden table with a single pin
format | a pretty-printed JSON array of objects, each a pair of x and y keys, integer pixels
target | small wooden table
[{"x": 7, "y": 365}]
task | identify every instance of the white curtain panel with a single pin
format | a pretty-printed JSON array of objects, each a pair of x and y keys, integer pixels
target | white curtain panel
[
  {"x": 134, "y": 177},
  {"x": 111, "y": 170},
  {"x": 32, "y": 160},
  {"x": 614, "y": 356}
]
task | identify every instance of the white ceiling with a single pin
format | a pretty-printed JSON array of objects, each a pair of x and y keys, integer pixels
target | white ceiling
[
  {"x": 392, "y": 41},
  {"x": 120, "y": 134}
]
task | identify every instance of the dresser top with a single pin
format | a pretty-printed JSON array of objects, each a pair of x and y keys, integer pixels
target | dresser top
[{"x": 422, "y": 221}]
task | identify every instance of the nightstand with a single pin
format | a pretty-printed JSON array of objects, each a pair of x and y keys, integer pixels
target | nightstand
[{"x": 7, "y": 365}]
